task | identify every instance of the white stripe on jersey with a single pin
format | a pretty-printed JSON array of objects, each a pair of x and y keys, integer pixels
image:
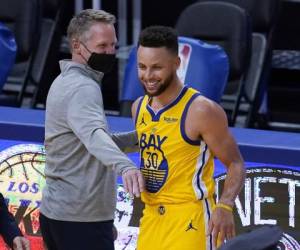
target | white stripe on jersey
[{"x": 198, "y": 185}]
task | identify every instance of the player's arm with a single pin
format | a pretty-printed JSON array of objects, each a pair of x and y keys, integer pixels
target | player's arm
[
  {"x": 210, "y": 123},
  {"x": 126, "y": 141},
  {"x": 129, "y": 136}
]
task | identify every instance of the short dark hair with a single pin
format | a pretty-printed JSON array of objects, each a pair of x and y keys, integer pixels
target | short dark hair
[{"x": 159, "y": 36}]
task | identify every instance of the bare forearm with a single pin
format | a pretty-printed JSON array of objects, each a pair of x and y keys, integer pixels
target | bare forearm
[{"x": 233, "y": 183}]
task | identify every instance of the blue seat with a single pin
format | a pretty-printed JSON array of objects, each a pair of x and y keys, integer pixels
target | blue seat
[
  {"x": 23, "y": 19},
  {"x": 204, "y": 67},
  {"x": 8, "y": 50}
]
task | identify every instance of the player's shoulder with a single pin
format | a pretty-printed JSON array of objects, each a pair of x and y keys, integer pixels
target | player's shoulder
[
  {"x": 137, "y": 102},
  {"x": 135, "y": 105},
  {"x": 204, "y": 107},
  {"x": 203, "y": 104},
  {"x": 198, "y": 98}
]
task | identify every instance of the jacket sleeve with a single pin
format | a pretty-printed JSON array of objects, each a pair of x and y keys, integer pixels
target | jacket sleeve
[
  {"x": 85, "y": 116},
  {"x": 8, "y": 226}
]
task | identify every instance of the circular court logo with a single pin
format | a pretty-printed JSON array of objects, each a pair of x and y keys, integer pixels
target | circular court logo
[{"x": 21, "y": 181}]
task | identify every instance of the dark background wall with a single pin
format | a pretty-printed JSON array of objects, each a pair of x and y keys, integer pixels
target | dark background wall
[{"x": 166, "y": 12}]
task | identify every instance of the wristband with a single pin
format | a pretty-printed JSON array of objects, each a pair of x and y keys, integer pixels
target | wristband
[{"x": 224, "y": 206}]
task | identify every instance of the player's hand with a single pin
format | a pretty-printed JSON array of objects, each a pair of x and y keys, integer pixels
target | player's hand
[
  {"x": 133, "y": 181},
  {"x": 221, "y": 226},
  {"x": 21, "y": 243}
]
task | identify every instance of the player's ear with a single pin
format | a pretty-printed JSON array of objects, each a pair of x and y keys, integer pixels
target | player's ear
[{"x": 177, "y": 62}]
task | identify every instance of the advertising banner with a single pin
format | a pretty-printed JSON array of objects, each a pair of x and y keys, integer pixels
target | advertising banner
[{"x": 270, "y": 196}]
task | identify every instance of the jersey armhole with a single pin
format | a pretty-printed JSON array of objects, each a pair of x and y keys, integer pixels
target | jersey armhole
[
  {"x": 138, "y": 110},
  {"x": 182, "y": 123}
]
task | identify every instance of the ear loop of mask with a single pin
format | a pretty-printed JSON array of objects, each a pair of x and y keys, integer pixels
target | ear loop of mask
[{"x": 86, "y": 60}]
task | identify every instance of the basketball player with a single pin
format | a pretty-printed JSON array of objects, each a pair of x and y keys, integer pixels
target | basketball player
[
  {"x": 180, "y": 131},
  {"x": 9, "y": 229}
]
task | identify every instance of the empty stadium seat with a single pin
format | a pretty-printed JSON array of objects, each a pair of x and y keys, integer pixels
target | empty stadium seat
[
  {"x": 45, "y": 63},
  {"x": 263, "y": 16},
  {"x": 8, "y": 49},
  {"x": 23, "y": 18},
  {"x": 229, "y": 26}
]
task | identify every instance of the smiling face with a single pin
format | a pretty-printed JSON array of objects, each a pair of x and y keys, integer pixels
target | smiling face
[
  {"x": 156, "y": 69},
  {"x": 100, "y": 38}
]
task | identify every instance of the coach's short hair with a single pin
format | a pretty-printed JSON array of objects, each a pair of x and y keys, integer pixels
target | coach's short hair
[
  {"x": 82, "y": 22},
  {"x": 159, "y": 36}
]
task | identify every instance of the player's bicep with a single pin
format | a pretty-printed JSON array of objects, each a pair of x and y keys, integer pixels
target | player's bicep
[
  {"x": 225, "y": 148},
  {"x": 219, "y": 138}
]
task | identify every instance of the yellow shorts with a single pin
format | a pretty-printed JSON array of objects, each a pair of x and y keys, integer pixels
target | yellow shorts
[{"x": 176, "y": 227}]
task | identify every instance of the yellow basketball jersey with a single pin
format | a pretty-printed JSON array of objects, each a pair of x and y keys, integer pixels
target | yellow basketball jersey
[{"x": 176, "y": 169}]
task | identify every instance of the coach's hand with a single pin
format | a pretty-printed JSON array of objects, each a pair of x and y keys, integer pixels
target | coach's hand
[
  {"x": 133, "y": 181},
  {"x": 221, "y": 226}
]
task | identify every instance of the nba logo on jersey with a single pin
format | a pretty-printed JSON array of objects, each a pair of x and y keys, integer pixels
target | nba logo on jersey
[{"x": 184, "y": 52}]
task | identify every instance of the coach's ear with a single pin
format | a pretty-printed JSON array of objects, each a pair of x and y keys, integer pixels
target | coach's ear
[{"x": 75, "y": 46}]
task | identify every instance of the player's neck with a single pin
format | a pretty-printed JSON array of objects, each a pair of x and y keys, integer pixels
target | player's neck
[{"x": 168, "y": 96}]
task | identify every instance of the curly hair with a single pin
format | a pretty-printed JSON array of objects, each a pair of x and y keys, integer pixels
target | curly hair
[{"x": 159, "y": 36}]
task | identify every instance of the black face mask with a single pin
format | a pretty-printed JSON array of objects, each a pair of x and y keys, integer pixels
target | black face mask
[{"x": 100, "y": 61}]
